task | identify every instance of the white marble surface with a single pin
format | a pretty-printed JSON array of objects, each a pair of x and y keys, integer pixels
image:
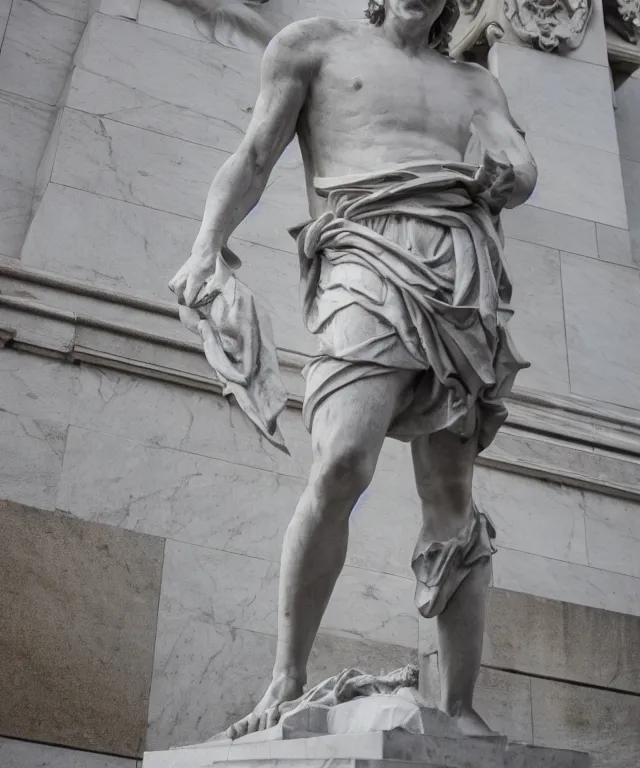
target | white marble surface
[
  {"x": 550, "y": 456},
  {"x": 32, "y": 451},
  {"x": 553, "y": 230},
  {"x": 533, "y": 516},
  {"x": 24, "y": 128},
  {"x": 126, "y": 9},
  {"x": 614, "y": 245},
  {"x": 205, "y": 676},
  {"x": 537, "y": 327},
  {"x": 35, "y": 386},
  {"x": 5, "y": 9},
  {"x": 631, "y": 178},
  {"x": 602, "y": 305},
  {"x": 168, "y": 174},
  {"x": 37, "y": 51},
  {"x": 26, "y": 754},
  {"x": 570, "y": 582},
  {"x": 161, "y": 15},
  {"x": 627, "y": 116},
  {"x": 218, "y": 587},
  {"x": 613, "y": 534},
  {"x": 557, "y": 97},
  {"x": 371, "y": 606},
  {"x": 185, "y": 419},
  {"x": 578, "y": 181},
  {"x": 134, "y": 249},
  {"x": 167, "y": 94},
  {"x": 175, "y": 494}
]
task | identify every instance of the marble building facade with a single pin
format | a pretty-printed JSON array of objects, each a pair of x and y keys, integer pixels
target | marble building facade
[{"x": 143, "y": 516}]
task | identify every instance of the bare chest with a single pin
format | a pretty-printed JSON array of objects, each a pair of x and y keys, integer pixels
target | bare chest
[{"x": 364, "y": 89}]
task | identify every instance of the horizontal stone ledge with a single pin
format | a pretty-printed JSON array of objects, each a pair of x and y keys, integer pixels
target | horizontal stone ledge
[{"x": 573, "y": 445}]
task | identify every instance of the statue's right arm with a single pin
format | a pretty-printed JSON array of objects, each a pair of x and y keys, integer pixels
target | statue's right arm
[{"x": 240, "y": 182}]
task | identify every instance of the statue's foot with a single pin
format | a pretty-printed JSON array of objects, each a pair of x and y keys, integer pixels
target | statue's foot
[
  {"x": 471, "y": 724},
  {"x": 267, "y": 713}
]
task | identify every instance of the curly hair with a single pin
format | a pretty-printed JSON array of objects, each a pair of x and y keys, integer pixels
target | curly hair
[{"x": 440, "y": 34}]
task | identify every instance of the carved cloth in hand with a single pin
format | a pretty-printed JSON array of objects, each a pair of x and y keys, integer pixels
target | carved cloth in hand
[{"x": 405, "y": 271}]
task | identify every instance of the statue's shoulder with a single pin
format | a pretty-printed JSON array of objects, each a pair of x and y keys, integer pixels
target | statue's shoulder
[
  {"x": 318, "y": 29},
  {"x": 482, "y": 83}
]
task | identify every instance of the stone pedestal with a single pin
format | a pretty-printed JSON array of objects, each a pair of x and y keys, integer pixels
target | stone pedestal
[{"x": 383, "y": 749}]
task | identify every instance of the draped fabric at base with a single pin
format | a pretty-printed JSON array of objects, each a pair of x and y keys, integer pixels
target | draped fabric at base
[{"x": 405, "y": 272}]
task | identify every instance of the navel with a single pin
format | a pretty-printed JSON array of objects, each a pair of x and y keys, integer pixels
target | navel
[{"x": 357, "y": 84}]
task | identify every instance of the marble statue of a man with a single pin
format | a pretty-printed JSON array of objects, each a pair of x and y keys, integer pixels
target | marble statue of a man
[{"x": 405, "y": 286}]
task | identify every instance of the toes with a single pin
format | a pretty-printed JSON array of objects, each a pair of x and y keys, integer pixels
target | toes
[
  {"x": 253, "y": 721},
  {"x": 273, "y": 715}
]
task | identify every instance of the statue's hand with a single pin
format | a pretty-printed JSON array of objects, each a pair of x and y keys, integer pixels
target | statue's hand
[
  {"x": 495, "y": 180},
  {"x": 198, "y": 269}
]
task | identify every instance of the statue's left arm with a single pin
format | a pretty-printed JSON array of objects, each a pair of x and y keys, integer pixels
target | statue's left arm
[{"x": 504, "y": 145}]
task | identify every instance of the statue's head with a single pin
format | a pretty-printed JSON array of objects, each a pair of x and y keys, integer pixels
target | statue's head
[{"x": 445, "y": 14}]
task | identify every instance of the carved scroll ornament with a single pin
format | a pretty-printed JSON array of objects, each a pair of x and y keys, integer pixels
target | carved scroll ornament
[
  {"x": 549, "y": 25},
  {"x": 623, "y": 17}
]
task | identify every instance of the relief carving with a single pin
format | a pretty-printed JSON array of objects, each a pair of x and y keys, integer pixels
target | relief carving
[{"x": 549, "y": 25}]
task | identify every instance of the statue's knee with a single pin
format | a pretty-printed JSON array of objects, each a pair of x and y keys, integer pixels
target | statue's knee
[{"x": 345, "y": 475}]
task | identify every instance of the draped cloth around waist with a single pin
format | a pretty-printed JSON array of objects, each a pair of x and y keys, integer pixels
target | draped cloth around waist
[{"x": 409, "y": 254}]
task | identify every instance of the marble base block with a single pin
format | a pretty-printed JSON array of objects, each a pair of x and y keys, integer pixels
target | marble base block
[{"x": 385, "y": 749}]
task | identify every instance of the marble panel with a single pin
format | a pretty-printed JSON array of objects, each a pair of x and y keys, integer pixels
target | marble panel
[
  {"x": 372, "y": 606},
  {"x": 537, "y": 326},
  {"x": 218, "y": 587},
  {"x": 161, "y": 15},
  {"x": 72, "y": 9},
  {"x": 533, "y": 516},
  {"x": 126, "y": 9},
  {"x": 578, "y": 181},
  {"x": 549, "y": 456},
  {"x": 27, "y": 754},
  {"x": 557, "y": 97},
  {"x": 569, "y": 582},
  {"x": 134, "y": 249},
  {"x": 166, "y": 95},
  {"x": 552, "y": 639},
  {"x": 77, "y": 640},
  {"x": 24, "y": 128},
  {"x": 627, "y": 116},
  {"x": 603, "y": 723},
  {"x": 614, "y": 245},
  {"x": 37, "y": 51},
  {"x": 554, "y": 230},
  {"x": 631, "y": 178},
  {"x": 168, "y": 174},
  {"x": 35, "y": 386},
  {"x": 32, "y": 452},
  {"x": 185, "y": 419},
  {"x": 212, "y": 675},
  {"x": 602, "y": 303},
  {"x": 175, "y": 494},
  {"x": 613, "y": 534},
  {"x": 5, "y": 10}
]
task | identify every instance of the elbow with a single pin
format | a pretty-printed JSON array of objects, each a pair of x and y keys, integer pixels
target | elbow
[{"x": 526, "y": 179}]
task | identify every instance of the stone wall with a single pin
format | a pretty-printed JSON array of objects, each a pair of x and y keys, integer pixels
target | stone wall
[{"x": 142, "y": 568}]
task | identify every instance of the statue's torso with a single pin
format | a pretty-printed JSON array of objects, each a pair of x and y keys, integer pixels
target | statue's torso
[{"x": 372, "y": 106}]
